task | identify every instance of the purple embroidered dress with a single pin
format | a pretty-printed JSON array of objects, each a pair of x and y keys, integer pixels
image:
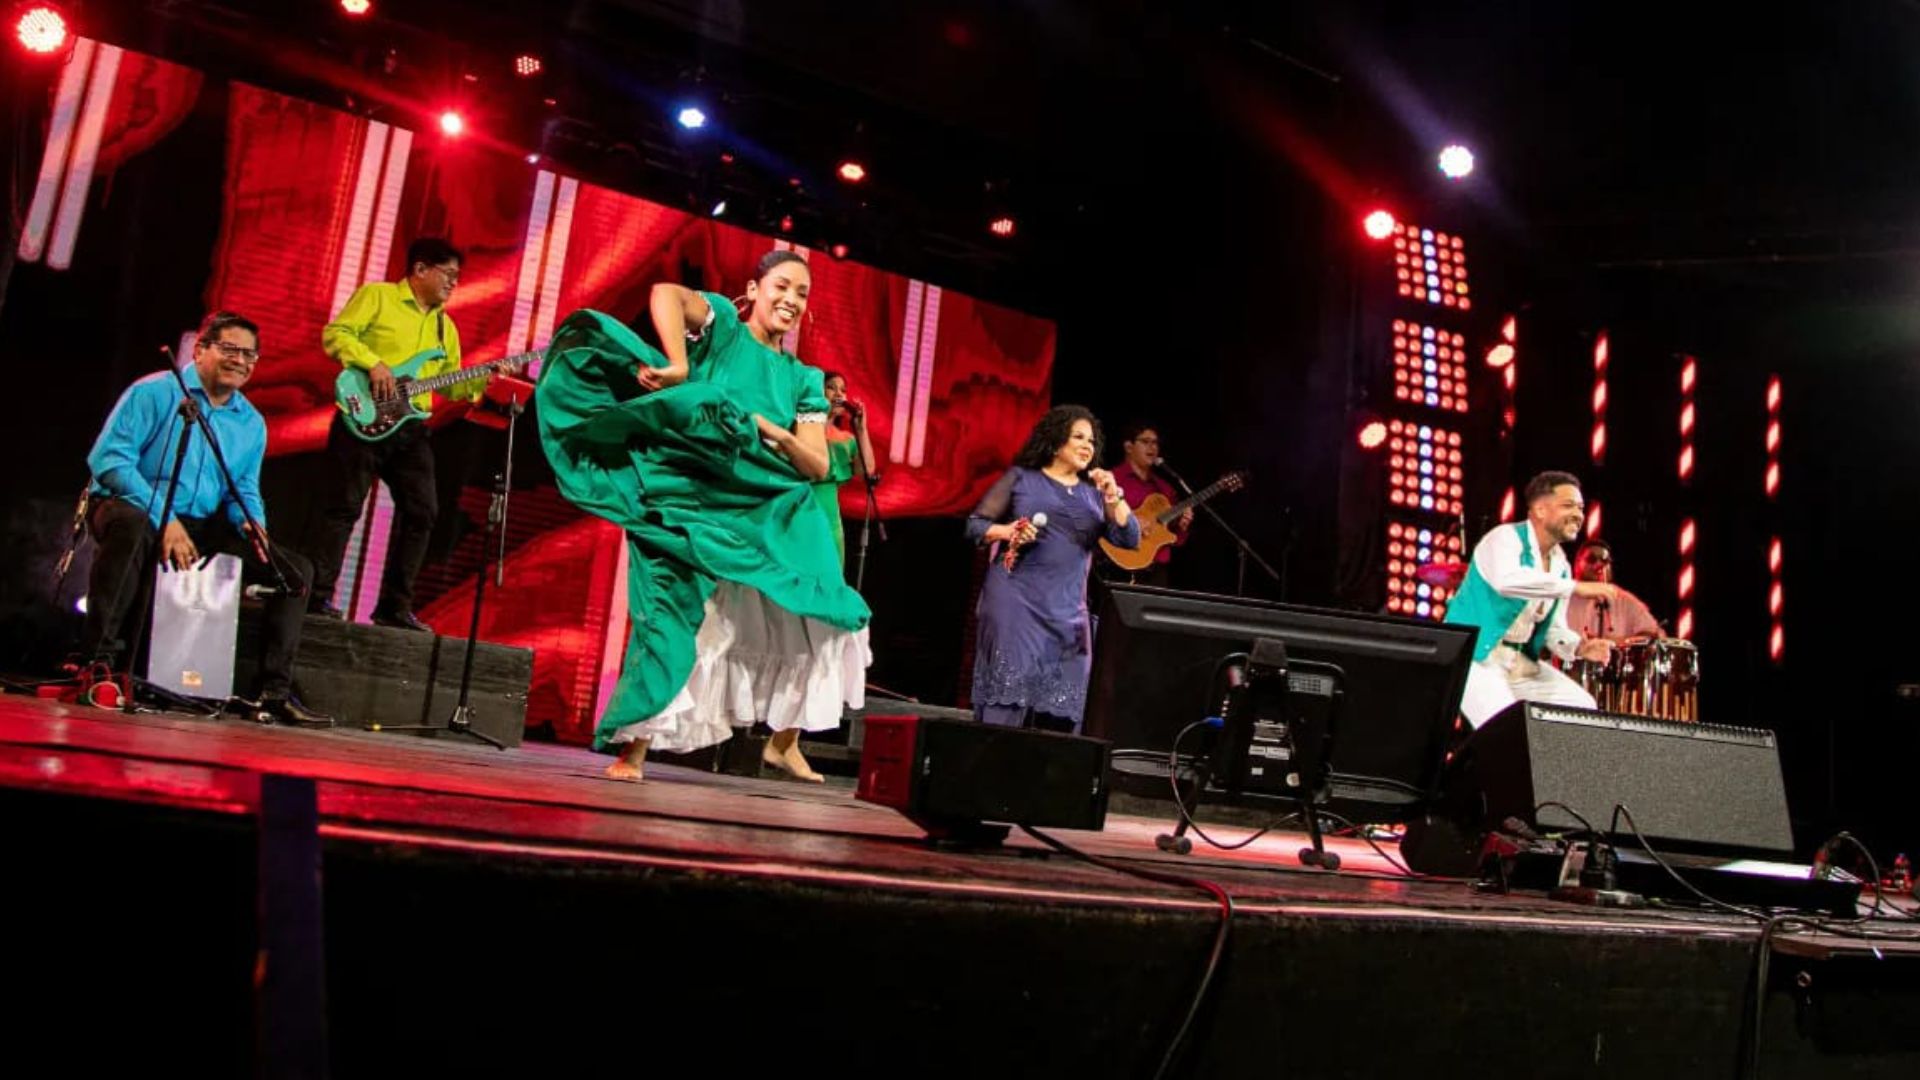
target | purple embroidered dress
[{"x": 1035, "y": 645}]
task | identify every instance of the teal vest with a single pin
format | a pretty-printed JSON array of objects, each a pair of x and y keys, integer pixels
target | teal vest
[{"x": 1479, "y": 606}]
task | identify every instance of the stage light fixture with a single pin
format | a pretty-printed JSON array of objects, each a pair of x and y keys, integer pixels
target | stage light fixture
[
  {"x": 1379, "y": 224},
  {"x": 852, "y": 172},
  {"x": 1373, "y": 434},
  {"x": 838, "y": 251},
  {"x": 691, "y": 117},
  {"x": 1456, "y": 162},
  {"x": 527, "y": 65},
  {"x": 452, "y": 124},
  {"x": 356, "y": 7},
  {"x": 719, "y": 208},
  {"x": 40, "y": 29},
  {"x": 1500, "y": 355},
  {"x": 1002, "y": 227}
]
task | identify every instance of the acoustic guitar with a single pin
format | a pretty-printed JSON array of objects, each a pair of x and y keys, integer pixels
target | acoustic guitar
[{"x": 1157, "y": 518}]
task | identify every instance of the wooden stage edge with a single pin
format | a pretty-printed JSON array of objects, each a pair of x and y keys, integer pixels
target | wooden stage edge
[
  {"x": 551, "y": 801},
  {"x": 458, "y": 882}
]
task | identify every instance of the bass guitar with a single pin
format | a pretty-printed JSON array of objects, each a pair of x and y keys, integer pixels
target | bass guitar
[{"x": 373, "y": 419}]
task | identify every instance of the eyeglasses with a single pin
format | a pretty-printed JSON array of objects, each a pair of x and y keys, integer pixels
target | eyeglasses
[
  {"x": 235, "y": 352},
  {"x": 452, "y": 275}
]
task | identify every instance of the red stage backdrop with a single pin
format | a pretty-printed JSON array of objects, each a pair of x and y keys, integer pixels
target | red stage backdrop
[{"x": 316, "y": 202}]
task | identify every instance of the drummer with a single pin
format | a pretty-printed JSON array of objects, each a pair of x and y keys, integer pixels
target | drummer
[
  {"x": 1622, "y": 619},
  {"x": 1515, "y": 596}
]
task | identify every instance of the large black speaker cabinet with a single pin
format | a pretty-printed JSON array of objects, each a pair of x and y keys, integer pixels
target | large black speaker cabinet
[{"x": 1697, "y": 787}]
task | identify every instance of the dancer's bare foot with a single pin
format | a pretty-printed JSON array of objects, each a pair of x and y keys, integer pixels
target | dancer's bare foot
[
  {"x": 782, "y": 752},
  {"x": 632, "y": 762}
]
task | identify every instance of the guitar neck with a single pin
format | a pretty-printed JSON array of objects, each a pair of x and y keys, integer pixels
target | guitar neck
[
  {"x": 467, "y": 374},
  {"x": 1172, "y": 513}
]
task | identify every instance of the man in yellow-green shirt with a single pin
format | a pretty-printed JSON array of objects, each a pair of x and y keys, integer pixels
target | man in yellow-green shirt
[{"x": 383, "y": 325}]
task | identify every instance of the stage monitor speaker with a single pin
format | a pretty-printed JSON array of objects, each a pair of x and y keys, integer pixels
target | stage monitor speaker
[
  {"x": 1697, "y": 787},
  {"x": 950, "y": 776}
]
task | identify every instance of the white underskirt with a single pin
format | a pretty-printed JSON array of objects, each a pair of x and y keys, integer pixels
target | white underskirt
[{"x": 757, "y": 661}]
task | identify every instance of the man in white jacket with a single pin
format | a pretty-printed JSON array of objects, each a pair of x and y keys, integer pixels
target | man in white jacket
[{"x": 1515, "y": 595}]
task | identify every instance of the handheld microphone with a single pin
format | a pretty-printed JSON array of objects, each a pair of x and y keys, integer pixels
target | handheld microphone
[
  {"x": 1007, "y": 558},
  {"x": 262, "y": 592}
]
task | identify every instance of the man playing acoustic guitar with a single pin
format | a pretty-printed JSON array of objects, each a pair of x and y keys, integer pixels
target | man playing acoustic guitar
[
  {"x": 1141, "y": 447},
  {"x": 383, "y": 325}
]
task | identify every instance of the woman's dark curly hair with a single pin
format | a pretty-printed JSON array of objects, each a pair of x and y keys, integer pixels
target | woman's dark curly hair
[{"x": 1052, "y": 433}]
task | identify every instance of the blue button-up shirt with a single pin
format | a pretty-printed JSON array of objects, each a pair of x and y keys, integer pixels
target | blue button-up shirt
[{"x": 133, "y": 456}]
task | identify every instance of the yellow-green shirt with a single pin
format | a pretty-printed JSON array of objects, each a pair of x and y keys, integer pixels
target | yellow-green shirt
[{"x": 384, "y": 324}]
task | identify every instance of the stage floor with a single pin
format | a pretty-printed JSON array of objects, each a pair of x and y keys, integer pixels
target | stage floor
[{"x": 391, "y": 801}]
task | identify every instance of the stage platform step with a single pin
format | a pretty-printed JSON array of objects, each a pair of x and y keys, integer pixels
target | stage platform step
[{"x": 366, "y": 675}]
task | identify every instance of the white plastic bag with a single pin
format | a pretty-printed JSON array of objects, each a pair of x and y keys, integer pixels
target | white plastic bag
[{"x": 196, "y": 618}]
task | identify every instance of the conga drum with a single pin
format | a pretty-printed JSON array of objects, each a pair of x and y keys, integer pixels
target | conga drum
[
  {"x": 1675, "y": 686},
  {"x": 1658, "y": 677}
]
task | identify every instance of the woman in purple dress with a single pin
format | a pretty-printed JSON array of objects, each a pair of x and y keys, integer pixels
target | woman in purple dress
[{"x": 1035, "y": 643}]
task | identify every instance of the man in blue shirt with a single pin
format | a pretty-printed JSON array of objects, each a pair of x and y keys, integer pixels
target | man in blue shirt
[{"x": 131, "y": 462}]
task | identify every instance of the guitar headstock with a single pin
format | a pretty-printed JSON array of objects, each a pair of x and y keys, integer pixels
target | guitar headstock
[{"x": 1234, "y": 481}]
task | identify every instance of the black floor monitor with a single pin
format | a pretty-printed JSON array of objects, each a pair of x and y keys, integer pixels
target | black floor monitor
[{"x": 1158, "y": 653}]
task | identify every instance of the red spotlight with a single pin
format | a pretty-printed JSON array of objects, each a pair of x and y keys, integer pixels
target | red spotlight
[
  {"x": 1001, "y": 227},
  {"x": 786, "y": 223},
  {"x": 527, "y": 65},
  {"x": 41, "y": 29},
  {"x": 852, "y": 172},
  {"x": 451, "y": 123},
  {"x": 838, "y": 251},
  {"x": 1372, "y": 434},
  {"x": 1379, "y": 224},
  {"x": 356, "y": 7}
]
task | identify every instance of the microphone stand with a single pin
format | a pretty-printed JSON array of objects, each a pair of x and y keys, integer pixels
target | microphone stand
[
  {"x": 190, "y": 411},
  {"x": 1246, "y": 549},
  {"x": 870, "y": 519},
  {"x": 461, "y": 722}
]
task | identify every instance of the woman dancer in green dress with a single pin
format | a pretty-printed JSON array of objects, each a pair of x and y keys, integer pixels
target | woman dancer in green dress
[{"x": 704, "y": 450}]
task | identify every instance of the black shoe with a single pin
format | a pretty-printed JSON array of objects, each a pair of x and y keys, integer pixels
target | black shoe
[
  {"x": 325, "y": 610},
  {"x": 289, "y": 710},
  {"x": 401, "y": 620}
]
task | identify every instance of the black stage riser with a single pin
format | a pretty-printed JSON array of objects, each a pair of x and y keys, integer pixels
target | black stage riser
[
  {"x": 368, "y": 675},
  {"x": 141, "y": 951}
]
